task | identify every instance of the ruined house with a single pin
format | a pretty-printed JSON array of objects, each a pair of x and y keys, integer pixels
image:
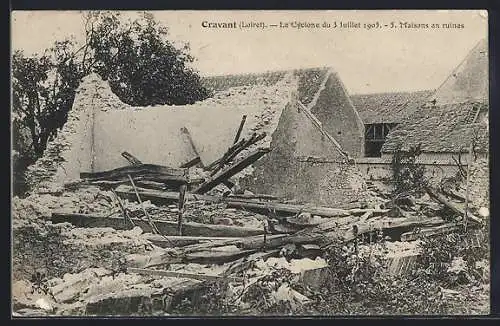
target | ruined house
[
  {"x": 311, "y": 127},
  {"x": 444, "y": 122}
]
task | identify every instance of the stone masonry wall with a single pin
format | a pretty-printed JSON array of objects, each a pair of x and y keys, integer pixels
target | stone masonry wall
[
  {"x": 71, "y": 150},
  {"x": 303, "y": 166},
  {"x": 338, "y": 116},
  {"x": 480, "y": 183}
]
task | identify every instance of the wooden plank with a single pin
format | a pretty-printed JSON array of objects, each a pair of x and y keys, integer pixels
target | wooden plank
[
  {"x": 162, "y": 273},
  {"x": 180, "y": 206},
  {"x": 245, "y": 263},
  {"x": 231, "y": 170},
  {"x": 212, "y": 256},
  {"x": 217, "y": 257},
  {"x": 253, "y": 196},
  {"x": 170, "y": 241},
  {"x": 235, "y": 150},
  {"x": 165, "y": 227},
  {"x": 218, "y": 161},
  {"x": 254, "y": 139}
]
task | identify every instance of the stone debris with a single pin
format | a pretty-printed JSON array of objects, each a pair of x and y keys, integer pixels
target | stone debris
[
  {"x": 218, "y": 231},
  {"x": 91, "y": 276}
]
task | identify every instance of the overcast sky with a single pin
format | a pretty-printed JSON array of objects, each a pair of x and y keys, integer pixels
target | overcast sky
[{"x": 367, "y": 61}]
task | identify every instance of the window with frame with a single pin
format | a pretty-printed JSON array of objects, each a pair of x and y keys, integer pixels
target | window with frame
[{"x": 375, "y": 136}]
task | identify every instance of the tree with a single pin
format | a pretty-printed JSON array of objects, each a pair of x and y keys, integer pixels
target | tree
[{"x": 142, "y": 66}]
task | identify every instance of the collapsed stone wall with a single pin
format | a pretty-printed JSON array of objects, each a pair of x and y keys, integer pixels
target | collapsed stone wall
[
  {"x": 153, "y": 134},
  {"x": 332, "y": 106},
  {"x": 303, "y": 165},
  {"x": 71, "y": 150}
]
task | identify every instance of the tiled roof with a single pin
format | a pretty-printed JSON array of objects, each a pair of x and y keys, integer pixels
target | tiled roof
[
  {"x": 309, "y": 79},
  {"x": 441, "y": 128},
  {"x": 449, "y": 120},
  {"x": 388, "y": 107}
]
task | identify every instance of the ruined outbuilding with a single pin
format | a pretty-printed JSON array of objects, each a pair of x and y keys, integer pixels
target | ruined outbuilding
[
  {"x": 311, "y": 127},
  {"x": 449, "y": 124}
]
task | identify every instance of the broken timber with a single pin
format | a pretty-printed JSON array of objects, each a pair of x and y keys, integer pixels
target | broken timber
[
  {"x": 430, "y": 232},
  {"x": 443, "y": 200},
  {"x": 238, "y": 133},
  {"x": 131, "y": 158},
  {"x": 197, "y": 160},
  {"x": 169, "y": 197},
  {"x": 151, "y": 172},
  {"x": 231, "y": 170},
  {"x": 170, "y": 241},
  {"x": 234, "y": 150},
  {"x": 199, "y": 277},
  {"x": 212, "y": 256},
  {"x": 250, "y": 242},
  {"x": 342, "y": 230},
  {"x": 165, "y": 227}
]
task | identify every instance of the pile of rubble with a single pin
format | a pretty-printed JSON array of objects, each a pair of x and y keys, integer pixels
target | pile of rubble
[{"x": 142, "y": 238}]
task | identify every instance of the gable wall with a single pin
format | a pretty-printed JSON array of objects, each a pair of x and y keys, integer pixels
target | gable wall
[
  {"x": 339, "y": 117},
  {"x": 303, "y": 165}
]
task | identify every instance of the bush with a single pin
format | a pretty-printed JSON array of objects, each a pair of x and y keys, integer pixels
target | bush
[
  {"x": 408, "y": 175},
  {"x": 457, "y": 258}
]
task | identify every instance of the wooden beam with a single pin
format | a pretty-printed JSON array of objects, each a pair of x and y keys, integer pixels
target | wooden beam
[
  {"x": 231, "y": 170},
  {"x": 443, "y": 200},
  {"x": 235, "y": 150},
  {"x": 185, "y": 132},
  {"x": 171, "y": 241},
  {"x": 133, "y": 170},
  {"x": 131, "y": 158},
  {"x": 162, "y": 273},
  {"x": 431, "y": 232},
  {"x": 169, "y": 197},
  {"x": 240, "y": 128},
  {"x": 165, "y": 227},
  {"x": 195, "y": 161},
  {"x": 180, "y": 206}
]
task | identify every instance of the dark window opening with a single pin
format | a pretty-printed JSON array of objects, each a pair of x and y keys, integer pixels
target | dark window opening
[
  {"x": 373, "y": 149},
  {"x": 375, "y": 136}
]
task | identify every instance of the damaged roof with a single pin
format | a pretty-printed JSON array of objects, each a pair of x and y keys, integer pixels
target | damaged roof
[
  {"x": 454, "y": 115},
  {"x": 309, "y": 79},
  {"x": 388, "y": 107},
  {"x": 442, "y": 128}
]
